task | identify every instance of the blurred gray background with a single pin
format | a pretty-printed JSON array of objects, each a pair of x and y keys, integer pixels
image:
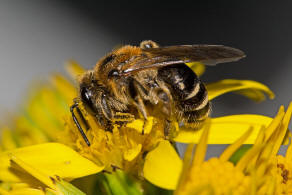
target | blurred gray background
[{"x": 38, "y": 36}]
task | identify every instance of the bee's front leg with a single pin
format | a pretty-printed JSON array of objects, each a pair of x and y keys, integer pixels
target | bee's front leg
[{"x": 104, "y": 122}]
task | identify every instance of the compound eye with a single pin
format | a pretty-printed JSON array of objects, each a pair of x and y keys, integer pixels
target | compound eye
[
  {"x": 86, "y": 97},
  {"x": 113, "y": 73}
]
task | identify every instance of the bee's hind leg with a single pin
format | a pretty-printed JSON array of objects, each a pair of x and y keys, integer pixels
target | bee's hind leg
[
  {"x": 171, "y": 128},
  {"x": 167, "y": 128}
]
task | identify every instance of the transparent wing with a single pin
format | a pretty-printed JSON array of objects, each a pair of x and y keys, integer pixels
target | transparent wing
[{"x": 164, "y": 56}]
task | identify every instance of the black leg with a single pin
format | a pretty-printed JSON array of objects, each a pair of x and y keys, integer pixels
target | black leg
[
  {"x": 82, "y": 118},
  {"x": 75, "y": 105}
]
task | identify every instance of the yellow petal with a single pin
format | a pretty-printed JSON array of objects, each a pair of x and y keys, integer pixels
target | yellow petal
[
  {"x": 226, "y": 130},
  {"x": 163, "y": 166},
  {"x": 139, "y": 124},
  {"x": 186, "y": 167},
  {"x": 23, "y": 191},
  {"x": 8, "y": 141},
  {"x": 132, "y": 153},
  {"x": 275, "y": 123},
  {"x": 251, "y": 89},
  {"x": 53, "y": 104},
  {"x": 259, "y": 140},
  {"x": 56, "y": 185},
  {"x": 74, "y": 68},
  {"x": 228, "y": 152},
  {"x": 28, "y": 132},
  {"x": 271, "y": 185},
  {"x": 38, "y": 113},
  {"x": 289, "y": 153},
  {"x": 197, "y": 67},
  {"x": 283, "y": 129},
  {"x": 49, "y": 158},
  {"x": 201, "y": 147},
  {"x": 248, "y": 156},
  {"x": 32, "y": 171},
  {"x": 64, "y": 87},
  {"x": 4, "y": 192},
  {"x": 136, "y": 124},
  {"x": 148, "y": 125}
]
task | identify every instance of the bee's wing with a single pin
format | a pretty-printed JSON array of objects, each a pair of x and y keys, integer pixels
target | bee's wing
[{"x": 164, "y": 56}]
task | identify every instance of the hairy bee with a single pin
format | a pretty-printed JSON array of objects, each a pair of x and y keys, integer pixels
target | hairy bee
[{"x": 150, "y": 80}]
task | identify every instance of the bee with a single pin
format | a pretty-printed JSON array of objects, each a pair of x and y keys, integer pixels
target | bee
[{"x": 134, "y": 81}]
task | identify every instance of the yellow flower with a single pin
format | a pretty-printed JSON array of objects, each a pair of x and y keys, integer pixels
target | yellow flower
[
  {"x": 280, "y": 166},
  {"x": 125, "y": 148},
  {"x": 255, "y": 173},
  {"x": 282, "y": 169}
]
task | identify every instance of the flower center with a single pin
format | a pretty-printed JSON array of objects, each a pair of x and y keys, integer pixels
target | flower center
[
  {"x": 285, "y": 172},
  {"x": 220, "y": 176}
]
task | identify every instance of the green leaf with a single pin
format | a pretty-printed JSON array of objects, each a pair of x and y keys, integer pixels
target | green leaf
[{"x": 121, "y": 184}]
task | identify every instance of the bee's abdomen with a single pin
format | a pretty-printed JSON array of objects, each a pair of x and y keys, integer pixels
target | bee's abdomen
[
  {"x": 189, "y": 93},
  {"x": 196, "y": 105}
]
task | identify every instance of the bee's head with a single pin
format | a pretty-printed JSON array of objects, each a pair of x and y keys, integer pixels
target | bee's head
[{"x": 87, "y": 91}]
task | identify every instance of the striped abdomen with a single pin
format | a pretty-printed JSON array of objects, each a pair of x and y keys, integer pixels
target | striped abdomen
[{"x": 188, "y": 92}]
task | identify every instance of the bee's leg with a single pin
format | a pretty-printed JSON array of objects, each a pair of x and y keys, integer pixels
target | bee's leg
[
  {"x": 139, "y": 104},
  {"x": 167, "y": 127},
  {"x": 105, "y": 108},
  {"x": 104, "y": 113},
  {"x": 141, "y": 108},
  {"x": 107, "y": 124},
  {"x": 122, "y": 118},
  {"x": 82, "y": 118},
  {"x": 137, "y": 92},
  {"x": 75, "y": 105}
]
